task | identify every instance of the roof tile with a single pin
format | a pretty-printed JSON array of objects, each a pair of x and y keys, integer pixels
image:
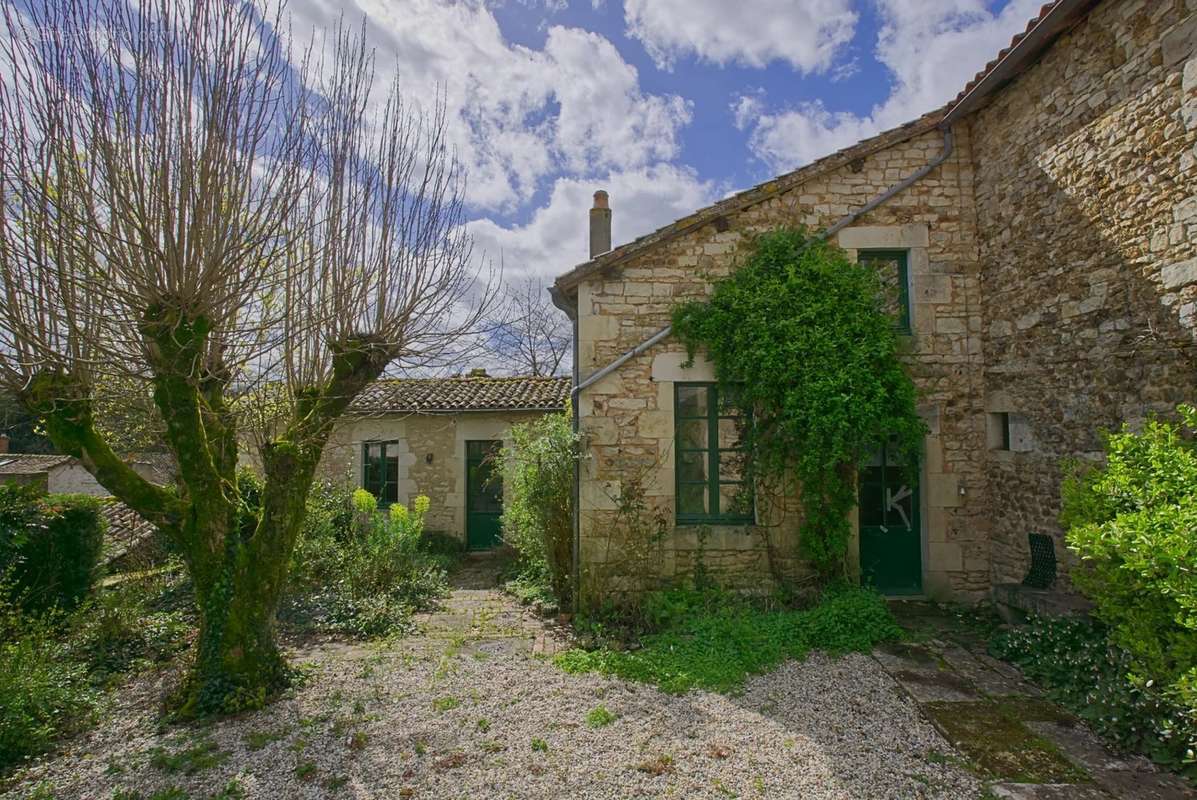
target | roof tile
[{"x": 407, "y": 395}]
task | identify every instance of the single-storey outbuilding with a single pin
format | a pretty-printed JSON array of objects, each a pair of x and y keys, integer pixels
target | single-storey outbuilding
[{"x": 440, "y": 437}]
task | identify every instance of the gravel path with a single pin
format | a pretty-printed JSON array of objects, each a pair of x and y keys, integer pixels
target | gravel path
[{"x": 469, "y": 710}]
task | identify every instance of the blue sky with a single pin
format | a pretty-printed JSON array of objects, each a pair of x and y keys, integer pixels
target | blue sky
[{"x": 667, "y": 104}]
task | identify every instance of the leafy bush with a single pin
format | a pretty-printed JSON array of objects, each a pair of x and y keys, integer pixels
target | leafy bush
[
  {"x": 1083, "y": 670},
  {"x": 43, "y": 693},
  {"x": 713, "y": 639},
  {"x": 131, "y": 625},
  {"x": 799, "y": 335},
  {"x": 49, "y": 545},
  {"x": 538, "y": 502},
  {"x": 358, "y": 570},
  {"x": 1131, "y": 522}
]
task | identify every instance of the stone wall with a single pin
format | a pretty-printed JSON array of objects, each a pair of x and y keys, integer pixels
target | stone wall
[
  {"x": 1086, "y": 195},
  {"x": 432, "y": 456},
  {"x": 628, "y": 416}
]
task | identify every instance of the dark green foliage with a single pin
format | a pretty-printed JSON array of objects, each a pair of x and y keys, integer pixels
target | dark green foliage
[
  {"x": 364, "y": 571},
  {"x": 1132, "y": 522},
  {"x": 136, "y": 624},
  {"x": 538, "y": 473},
  {"x": 797, "y": 333},
  {"x": 714, "y": 639},
  {"x": 43, "y": 693},
  {"x": 1083, "y": 670},
  {"x": 49, "y": 545}
]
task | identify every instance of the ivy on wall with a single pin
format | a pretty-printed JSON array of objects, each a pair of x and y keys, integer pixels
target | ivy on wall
[{"x": 798, "y": 334}]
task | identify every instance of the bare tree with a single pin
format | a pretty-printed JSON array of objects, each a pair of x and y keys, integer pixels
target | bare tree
[
  {"x": 529, "y": 334},
  {"x": 193, "y": 212}
]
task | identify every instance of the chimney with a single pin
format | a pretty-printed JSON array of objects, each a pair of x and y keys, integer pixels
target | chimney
[
  {"x": 600, "y": 225},
  {"x": 3, "y": 444}
]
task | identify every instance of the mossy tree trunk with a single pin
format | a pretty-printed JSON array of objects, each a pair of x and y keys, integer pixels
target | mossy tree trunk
[{"x": 238, "y": 569}]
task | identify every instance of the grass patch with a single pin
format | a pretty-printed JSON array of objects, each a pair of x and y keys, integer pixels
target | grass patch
[
  {"x": 256, "y": 740},
  {"x": 715, "y": 639},
  {"x": 1000, "y": 746},
  {"x": 445, "y": 703}
]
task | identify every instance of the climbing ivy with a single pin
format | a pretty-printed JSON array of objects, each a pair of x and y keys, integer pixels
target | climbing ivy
[{"x": 798, "y": 334}]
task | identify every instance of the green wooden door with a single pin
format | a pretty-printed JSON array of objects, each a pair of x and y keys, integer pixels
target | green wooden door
[
  {"x": 891, "y": 550},
  {"x": 484, "y": 494}
]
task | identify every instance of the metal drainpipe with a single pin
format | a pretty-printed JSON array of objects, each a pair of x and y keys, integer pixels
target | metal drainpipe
[{"x": 572, "y": 312}]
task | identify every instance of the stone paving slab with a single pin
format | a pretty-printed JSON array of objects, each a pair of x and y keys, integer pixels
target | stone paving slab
[{"x": 949, "y": 666}]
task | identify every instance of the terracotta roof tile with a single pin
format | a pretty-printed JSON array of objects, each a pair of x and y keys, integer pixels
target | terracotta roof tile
[
  {"x": 409, "y": 395},
  {"x": 125, "y": 529}
]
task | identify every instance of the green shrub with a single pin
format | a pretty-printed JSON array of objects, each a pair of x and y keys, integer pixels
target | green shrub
[
  {"x": 44, "y": 694},
  {"x": 358, "y": 570},
  {"x": 1132, "y": 521},
  {"x": 129, "y": 626},
  {"x": 799, "y": 334},
  {"x": 50, "y": 545},
  {"x": 713, "y": 639},
  {"x": 1083, "y": 670},
  {"x": 538, "y": 473}
]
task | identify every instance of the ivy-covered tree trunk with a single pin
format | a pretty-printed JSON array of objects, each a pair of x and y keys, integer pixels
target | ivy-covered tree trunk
[{"x": 238, "y": 566}]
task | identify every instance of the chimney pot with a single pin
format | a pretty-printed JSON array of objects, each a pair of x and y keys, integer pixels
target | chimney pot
[{"x": 600, "y": 224}]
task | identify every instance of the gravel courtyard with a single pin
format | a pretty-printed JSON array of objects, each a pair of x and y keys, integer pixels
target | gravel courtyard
[{"x": 472, "y": 709}]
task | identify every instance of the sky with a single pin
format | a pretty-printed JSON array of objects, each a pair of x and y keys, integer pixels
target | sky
[{"x": 669, "y": 105}]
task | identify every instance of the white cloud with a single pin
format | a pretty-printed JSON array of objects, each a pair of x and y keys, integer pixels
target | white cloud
[
  {"x": 519, "y": 115},
  {"x": 932, "y": 49},
  {"x": 556, "y": 238},
  {"x": 806, "y": 34}
]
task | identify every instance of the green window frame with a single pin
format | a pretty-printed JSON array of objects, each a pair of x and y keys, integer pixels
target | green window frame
[
  {"x": 709, "y": 455},
  {"x": 899, "y": 261},
  {"x": 380, "y": 470}
]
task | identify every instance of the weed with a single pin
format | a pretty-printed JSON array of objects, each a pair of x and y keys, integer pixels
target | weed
[
  {"x": 659, "y": 765},
  {"x": 445, "y": 703},
  {"x": 599, "y": 717},
  {"x": 233, "y": 790},
  {"x": 484, "y": 725},
  {"x": 203, "y": 755},
  {"x": 540, "y": 745},
  {"x": 358, "y": 740},
  {"x": 306, "y": 771},
  {"x": 256, "y": 740}
]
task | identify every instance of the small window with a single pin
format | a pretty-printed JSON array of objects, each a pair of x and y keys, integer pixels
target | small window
[
  {"x": 892, "y": 269},
  {"x": 380, "y": 471},
  {"x": 711, "y": 455},
  {"x": 999, "y": 430}
]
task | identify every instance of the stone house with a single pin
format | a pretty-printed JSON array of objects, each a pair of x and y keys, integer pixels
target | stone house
[
  {"x": 1044, "y": 226},
  {"x": 439, "y": 437}
]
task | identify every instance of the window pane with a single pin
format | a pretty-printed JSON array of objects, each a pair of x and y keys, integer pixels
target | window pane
[
  {"x": 374, "y": 451},
  {"x": 731, "y": 432},
  {"x": 692, "y": 433},
  {"x": 732, "y": 465},
  {"x": 729, "y": 403},
  {"x": 692, "y": 401},
  {"x": 692, "y": 499},
  {"x": 890, "y": 269},
  {"x": 735, "y": 500},
  {"x": 692, "y": 466}
]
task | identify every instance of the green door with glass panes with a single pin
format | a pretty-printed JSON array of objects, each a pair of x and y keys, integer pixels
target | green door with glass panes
[
  {"x": 484, "y": 494},
  {"x": 891, "y": 548}
]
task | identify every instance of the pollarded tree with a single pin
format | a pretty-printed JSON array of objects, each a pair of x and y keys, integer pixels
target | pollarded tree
[{"x": 192, "y": 213}]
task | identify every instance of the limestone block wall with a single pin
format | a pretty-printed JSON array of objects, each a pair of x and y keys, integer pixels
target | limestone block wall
[
  {"x": 432, "y": 455},
  {"x": 1086, "y": 193},
  {"x": 628, "y": 416}
]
